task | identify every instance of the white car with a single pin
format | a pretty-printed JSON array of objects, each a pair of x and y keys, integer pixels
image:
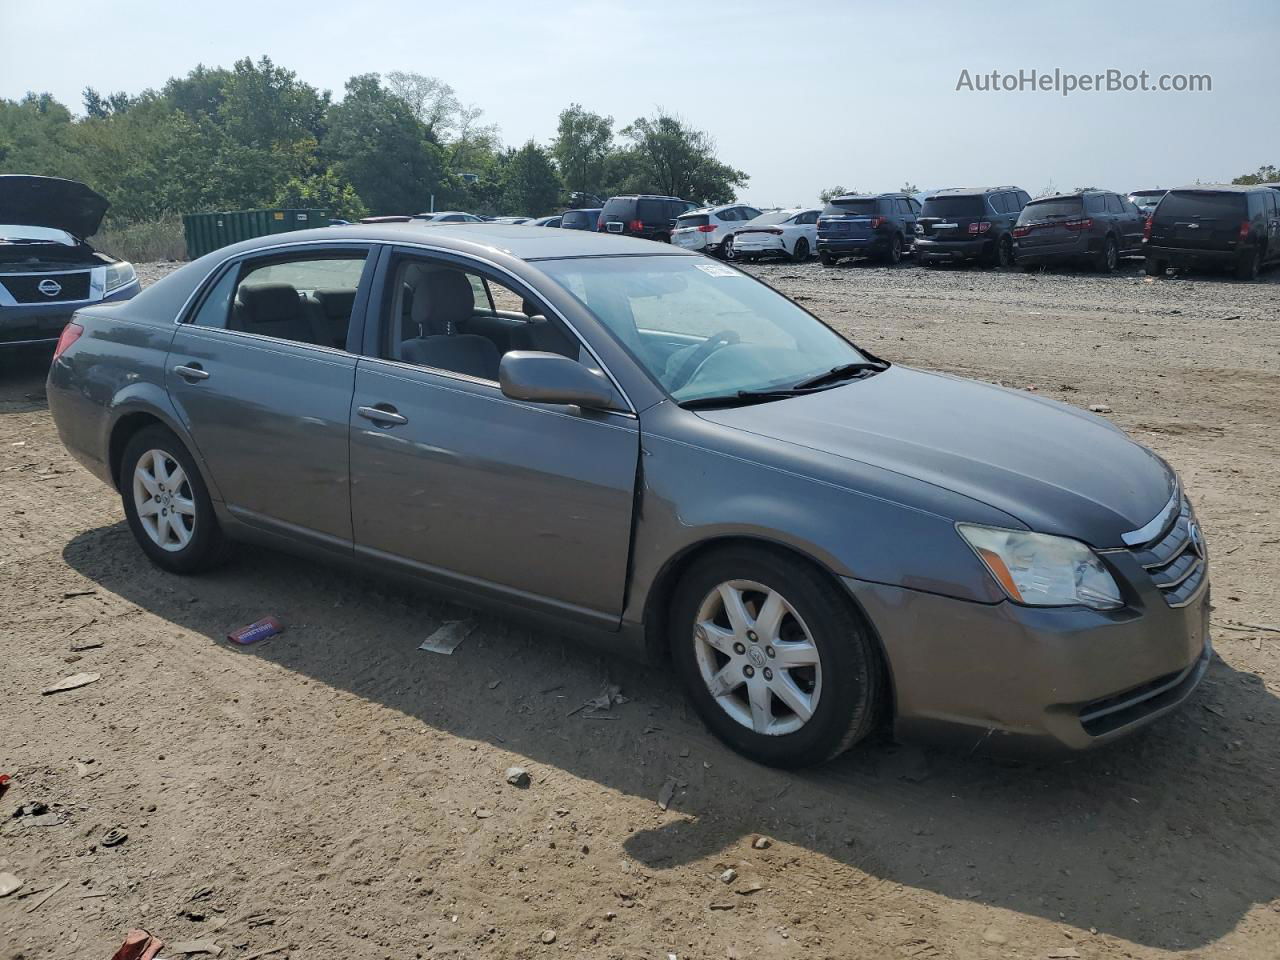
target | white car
[
  {"x": 783, "y": 233},
  {"x": 711, "y": 229}
]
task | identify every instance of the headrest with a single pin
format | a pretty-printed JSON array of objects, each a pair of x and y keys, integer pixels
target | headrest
[
  {"x": 266, "y": 302},
  {"x": 335, "y": 303},
  {"x": 441, "y": 299}
]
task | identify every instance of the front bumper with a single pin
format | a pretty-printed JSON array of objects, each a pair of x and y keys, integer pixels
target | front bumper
[
  {"x": 40, "y": 323},
  {"x": 1003, "y": 678},
  {"x": 952, "y": 249}
]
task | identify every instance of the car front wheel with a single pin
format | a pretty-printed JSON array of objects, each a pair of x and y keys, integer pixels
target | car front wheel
[
  {"x": 167, "y": 504},
  {"x": 777, "y": 661}
]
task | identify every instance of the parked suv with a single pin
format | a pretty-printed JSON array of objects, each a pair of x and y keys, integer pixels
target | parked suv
[
  {"x": 882, "y": 225},
  {"x": 1096, "y": 226},
  {"x": 584, "y": 219},
  {"x": 1146, "y": 200},
  {"x": 644, "y": 216},
  {"x": 969, "y": 224},
  {"x": 710, "y": 229},
  {"x": 1233, "y": 226}
]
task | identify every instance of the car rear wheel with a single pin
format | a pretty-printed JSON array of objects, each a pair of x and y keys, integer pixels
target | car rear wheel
[
  {"x": 726, "y": 247},
  {"x": 826, "y": 259},
  {"x": 167, "y": 504},
  {"x": 1250, "y": 266},
  {"x": 1108, "y": 256},
  {"x": 1004, "y": 253},
  {"x": 800, "y": 252},
  {"x": 1156, "y": 268},
  {"x": 895, "y": 250},
  {"x": 776, "y": 659}
]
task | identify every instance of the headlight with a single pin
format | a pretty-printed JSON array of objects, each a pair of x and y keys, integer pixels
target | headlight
[
  {"x": 1043, "y": 571},
  {"x": 118, "y": 274}
]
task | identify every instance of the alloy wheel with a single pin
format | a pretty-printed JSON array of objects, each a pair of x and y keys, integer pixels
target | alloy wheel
[
  {"x": 757, "y": 657},
  {"x": 164, "y": 500}
]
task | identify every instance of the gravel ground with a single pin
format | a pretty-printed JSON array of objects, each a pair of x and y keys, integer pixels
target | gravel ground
[{"x": 338, "y": 793}]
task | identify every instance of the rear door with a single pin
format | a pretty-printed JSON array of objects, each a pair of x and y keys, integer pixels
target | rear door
[
  {"x": 265, "y": 393},
  {"x": 1199, "y": 220},
  {"x": 906, "y": 211},
  {"x": 526, "y": 502},
  {"x": 849, "y": 219},
  {"x": 1131, "y": 224},
  {"x": 1042, "y": 224},
  {"x": 948, "y": 217}
]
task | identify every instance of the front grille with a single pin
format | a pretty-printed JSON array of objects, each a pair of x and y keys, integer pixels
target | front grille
[
  {"x": 25, "y": 287},
  {"x": 1176, "y": 560}
]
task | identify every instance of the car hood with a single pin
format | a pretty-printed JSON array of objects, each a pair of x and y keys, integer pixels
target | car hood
[
  {"x": 1054, "y": 467},
  {"x": 51, "y": 202}
]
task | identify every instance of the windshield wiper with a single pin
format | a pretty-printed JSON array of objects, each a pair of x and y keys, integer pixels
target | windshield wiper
[
  {"x": 740, "y": 399},
  {"x": 843, "y": 372}
]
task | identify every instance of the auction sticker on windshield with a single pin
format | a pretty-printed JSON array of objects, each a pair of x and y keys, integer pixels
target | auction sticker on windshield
[{"x": 717, "y": 270}]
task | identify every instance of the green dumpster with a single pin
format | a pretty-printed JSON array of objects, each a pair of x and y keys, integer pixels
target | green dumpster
[{"x": 209, "y": 231}]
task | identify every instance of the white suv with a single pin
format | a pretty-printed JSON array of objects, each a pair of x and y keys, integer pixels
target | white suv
[{"x": 711, "y": 229}]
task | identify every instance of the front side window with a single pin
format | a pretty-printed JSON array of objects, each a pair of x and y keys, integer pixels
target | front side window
[
  {"x": 304, "y": 300},
  {"x": 702, "y": 329},
  {"x": 438, "y": 315}
]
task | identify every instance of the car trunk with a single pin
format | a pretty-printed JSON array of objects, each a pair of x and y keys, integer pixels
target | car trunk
[
  {"x": 1199, "y": 219},
  {"x": 1049, "y": 223},
  {"x": 949, "y": 218},
  {"x": 849, "y": 220}
]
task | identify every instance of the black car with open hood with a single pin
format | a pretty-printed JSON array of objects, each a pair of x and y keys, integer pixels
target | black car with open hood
[{"x": 47, "y": 268}]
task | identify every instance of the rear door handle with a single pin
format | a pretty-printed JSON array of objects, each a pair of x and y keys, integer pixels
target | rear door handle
[
  {"x": 191, "y": 371},
  {"x": 386, "y": 414}
]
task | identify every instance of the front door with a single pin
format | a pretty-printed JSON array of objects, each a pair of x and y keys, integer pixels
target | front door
[
  {"x": 262, "y": 379},
  {"x": 451, "y": 478}
]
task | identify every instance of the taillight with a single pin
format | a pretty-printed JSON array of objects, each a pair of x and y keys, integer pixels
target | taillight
[
  {"x": 707, "y": 228},
  {"x": 1080, "y": 223},
  {"x": 600, "y": 224},
  {"x": 878, "y": 222},
  {"x": 775, "y": 231},
  {"x": 1022, "y": 231},
  {"x": 70, "y": 334},
  {"x": 977, "y": 228},
  {"x": 636, "y": 226},
  {"x": 1245, "y": 226},
  {"x": 1146, "y": 229}
]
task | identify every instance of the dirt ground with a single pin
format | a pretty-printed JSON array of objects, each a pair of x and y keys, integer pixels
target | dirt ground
[{"x": 340, "y": 794}]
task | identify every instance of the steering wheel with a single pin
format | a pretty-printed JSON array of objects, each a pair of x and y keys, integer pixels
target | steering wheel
[{"x": 699, "y": 356}]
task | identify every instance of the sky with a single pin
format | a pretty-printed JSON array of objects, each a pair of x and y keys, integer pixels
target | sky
[{"x": 800, "y": 96}]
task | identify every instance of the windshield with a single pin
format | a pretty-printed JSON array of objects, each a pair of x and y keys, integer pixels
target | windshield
[
  {"x": 865, "y": 206},
  {"x": 1203, "y": 205},
  {"x": 1051, "y": 209},
  {"x": 955, "y": 206},
  {"x": 18, "y": 231},
  {"x": 702, "y": 328}
]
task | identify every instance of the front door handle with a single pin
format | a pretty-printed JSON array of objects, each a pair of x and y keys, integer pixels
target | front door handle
[
  {"x": 191, "y": 371},
  {"x": 385, "y": 414}
]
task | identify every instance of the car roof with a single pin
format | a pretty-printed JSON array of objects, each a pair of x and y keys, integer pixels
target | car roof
[
  {"x": 1148, "y": 193},
  {"x": 517, "y": 240},
  {"x": 644, "y": 196},
  {"x": 969, "y": 191},
  {"x": 865, "y": 196},
  {"x": 1221, "y": 187}
]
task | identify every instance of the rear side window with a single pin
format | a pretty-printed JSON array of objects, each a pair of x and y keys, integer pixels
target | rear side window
[
  {"x": 1095, "y": 203},
  {"x": 1113, "y": 204},
  {"x": 904, "y": 206},
  {"x": 957, "y": 206},
  {"x": 861, "y": 207},
  {"x": 1202, "y": 205},
  {"x": 651, "y": 211},
  {"x": 1051, "y": 209}
]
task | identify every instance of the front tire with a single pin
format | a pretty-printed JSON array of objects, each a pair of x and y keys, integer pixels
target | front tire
[
  {"x": 777, "y": 660},
  {"x": 800, "y": 252},
  {"x": 167, "y": 504}
]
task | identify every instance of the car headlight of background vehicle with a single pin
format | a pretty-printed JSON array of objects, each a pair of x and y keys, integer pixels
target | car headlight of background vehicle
[
  {"x": 1041, "y": 570},
  {"x": 119, "y": 274}
]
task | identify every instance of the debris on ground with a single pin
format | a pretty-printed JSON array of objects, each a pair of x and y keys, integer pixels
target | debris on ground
[
  {"x": 73, "y": 682},
  {"x": 729, "y": 876},
  {"x": 267, "y": 952},
  {"x": 5, "y": 780},
  {"x": 41, "y": 899},
  {"x": 195, "y": 946},
  {"x": 721, "y": 906},
  {"x": 1099, "y": 408},
  {"x": 750, "y": 887},
  {"x": 448, "y": 636},
  {"x": 666, "y": 793},
  {"x": 1063, "y": 953},
  {"x": 9, "y": 884},
  {"x": 609, "y": 697},
  {"x": 762, "y": 843},
  {"x": 548, "y": 936},
  {"x": 114, "y": 837},
  {"x": 518, "y": 777},
  {"x": 138, "y": 945},
  {"x": 256, "y": 632}
]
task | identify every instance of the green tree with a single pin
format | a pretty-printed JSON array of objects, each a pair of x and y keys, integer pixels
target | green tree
[
  {"x": 200, "y": 92},
  {"x": 908, "y": 188},
  {"x": 378, "y": 146},
  {"x": 470, "y": 144},
  {"x": 530, "y": 184},
  {"x": 581, "y": 148},
  {"x": 679, "y": 161},
  {"x": 1264, "y": 174},
  {"x": 326, "y": 191},
  {"x": 825, "y": 196}
]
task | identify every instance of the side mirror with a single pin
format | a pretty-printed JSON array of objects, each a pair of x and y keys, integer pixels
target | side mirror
[{"x": 551, "y": 378}]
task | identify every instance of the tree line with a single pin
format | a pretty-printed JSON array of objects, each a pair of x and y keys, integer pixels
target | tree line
[{"x": 255, "y": 135}]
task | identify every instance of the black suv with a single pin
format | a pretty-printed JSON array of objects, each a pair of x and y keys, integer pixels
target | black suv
[
  {"x": 882, "y": 225},
  {"x": 1096, "y": 226},
  {"x": 644, "y": 216},
  {"x": 969, "y": 224},
  {"x": 1236, "y": 227}
]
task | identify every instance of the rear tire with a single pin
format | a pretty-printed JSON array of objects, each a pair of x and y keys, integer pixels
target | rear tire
[
  {"x": 837, "y": 674},
  {"x": 167, "y": 504},
  {"x": 1108, "y": 257},
  {"x": 800, "y": 252},
  {"x": 1250, "y": 267},
  {"x": 1004, "y": 253},
  {"x": 726, "y": 248},
  {"x": 894, "y": 256},
  {"x": 826, "y": 259}
]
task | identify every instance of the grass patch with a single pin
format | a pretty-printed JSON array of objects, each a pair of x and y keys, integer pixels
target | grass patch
[{"x": 144, "y": 242}]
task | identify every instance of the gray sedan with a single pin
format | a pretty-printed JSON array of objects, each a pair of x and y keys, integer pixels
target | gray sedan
[{"x": 655, "y": 451}]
